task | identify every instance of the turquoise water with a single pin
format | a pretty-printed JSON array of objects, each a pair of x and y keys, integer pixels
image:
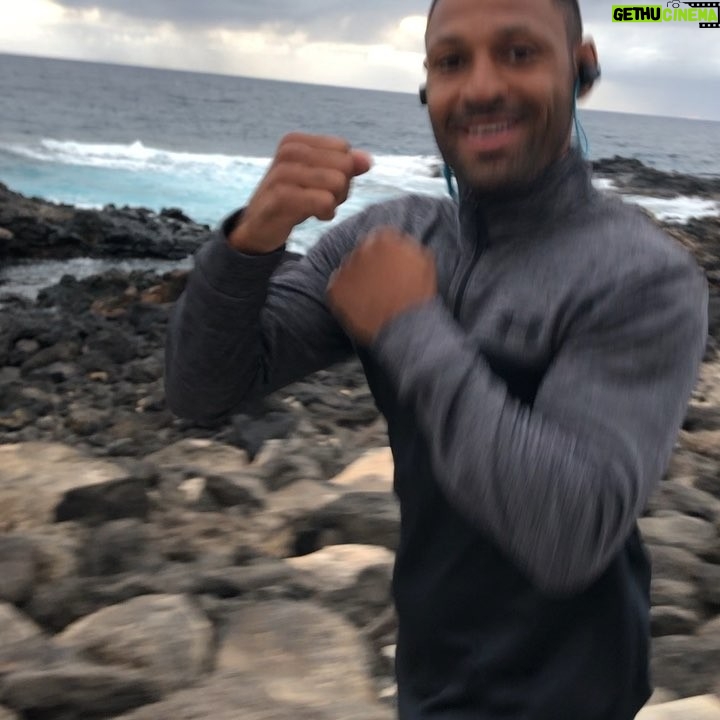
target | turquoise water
[{"x": 92, "y": 134}]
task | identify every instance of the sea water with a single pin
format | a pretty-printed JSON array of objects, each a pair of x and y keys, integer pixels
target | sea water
[{"x": 94, "y": 134}]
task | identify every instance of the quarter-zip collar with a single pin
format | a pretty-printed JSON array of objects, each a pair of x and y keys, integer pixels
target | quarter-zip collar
[{"x": 552, "y": 198}]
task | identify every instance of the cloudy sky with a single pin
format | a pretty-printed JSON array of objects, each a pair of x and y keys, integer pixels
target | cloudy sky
[{"x": 664, "y": 68}]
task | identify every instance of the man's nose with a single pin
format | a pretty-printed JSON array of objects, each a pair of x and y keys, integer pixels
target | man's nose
[{"x": 485, "y": 82}]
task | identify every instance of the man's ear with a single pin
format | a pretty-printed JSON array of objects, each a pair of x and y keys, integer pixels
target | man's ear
[
  {"x": 423, "y": 87},
  {"x": 587, "y": 67}
]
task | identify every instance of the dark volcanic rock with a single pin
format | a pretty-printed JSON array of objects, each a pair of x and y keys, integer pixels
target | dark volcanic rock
[
  {"x": 119, "y": 547},
  {"x": 709, "y": 585},
  {"x": 79, "y": 690},
  {"x": 669, "y": 620},
  {"x": 182, "y": 511},
  {"x": 114, "y": 293},
  {"x": 252, "y": 431},
  {"x": 17, "y": 568},
  {"x": 631, "y": 175},
  {"x": 686, "y": 664},
  {"x": 111, "y": 501},
  {"x": 38, "y": 229},
  {"x": 361, "y": 518},
  {"x": 243, "y": 491}
]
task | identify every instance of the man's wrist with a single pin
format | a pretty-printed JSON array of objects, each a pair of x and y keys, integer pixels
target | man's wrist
[{"x": 241, "y": 238}]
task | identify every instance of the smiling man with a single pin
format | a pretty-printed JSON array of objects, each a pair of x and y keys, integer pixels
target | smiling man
[
  {"x": 501, "y": 86},
  {"x": 532, "y": 347}
]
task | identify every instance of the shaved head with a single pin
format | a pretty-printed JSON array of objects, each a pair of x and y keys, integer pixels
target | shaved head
[{"x": 572, "y": 16}]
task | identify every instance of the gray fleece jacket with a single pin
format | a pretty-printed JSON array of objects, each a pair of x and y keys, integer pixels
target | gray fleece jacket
[{"x": 532, "y": 408}]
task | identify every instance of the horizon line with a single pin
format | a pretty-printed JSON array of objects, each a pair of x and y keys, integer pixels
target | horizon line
[{"x": 218, "y": 73}]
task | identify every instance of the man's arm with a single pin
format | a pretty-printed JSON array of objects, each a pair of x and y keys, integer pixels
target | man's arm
[
  {"x": 559, "y": 485},
  {"x": 240, "y": 331}
]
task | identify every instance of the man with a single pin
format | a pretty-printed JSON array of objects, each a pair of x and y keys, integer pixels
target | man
[{"x": 533, "y": 351}]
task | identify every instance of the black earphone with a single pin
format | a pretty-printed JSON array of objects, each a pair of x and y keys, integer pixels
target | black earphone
[{"x": 588, "y": 73}]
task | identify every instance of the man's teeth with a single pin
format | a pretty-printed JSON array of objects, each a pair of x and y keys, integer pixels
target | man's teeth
[{"x": 488, "y": 129}]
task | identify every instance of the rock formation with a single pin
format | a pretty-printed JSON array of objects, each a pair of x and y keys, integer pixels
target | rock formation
[{"x": 153, "y": 569}]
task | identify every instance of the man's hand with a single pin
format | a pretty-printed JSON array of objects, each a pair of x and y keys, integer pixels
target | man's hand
[
  {"x": 309, "y": 177},
  {"x": 387, "y": 274}
]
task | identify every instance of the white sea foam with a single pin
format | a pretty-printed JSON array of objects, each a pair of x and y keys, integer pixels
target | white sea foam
[
  {"x": 604, "y": 184},
  {"x": 135, "y": 156},
  {"x": 399, "y": 166},
  {"x": 206, "y": 186},
  {"x": 140, "y": 158},
  {"x": 678, "y": 209},
  {"x": 390, "y": 175}
]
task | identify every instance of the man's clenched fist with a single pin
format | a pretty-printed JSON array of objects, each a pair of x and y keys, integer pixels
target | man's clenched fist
[
  {"x": 388, "y": 273},
  {"x": 309, "y": 177}
]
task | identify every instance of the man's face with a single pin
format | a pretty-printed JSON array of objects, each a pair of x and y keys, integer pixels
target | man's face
[{"x": 500, "y": 88}]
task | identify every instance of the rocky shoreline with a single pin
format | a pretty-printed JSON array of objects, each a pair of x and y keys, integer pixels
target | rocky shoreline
[
  {"x": 155, "y": 569},
  {"x": 31, "y": 228}
]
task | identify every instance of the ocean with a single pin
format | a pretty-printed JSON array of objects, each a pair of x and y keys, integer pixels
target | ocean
[{"x": 93, "y": 134}]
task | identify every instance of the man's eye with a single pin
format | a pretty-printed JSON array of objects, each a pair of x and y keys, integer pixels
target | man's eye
[
  {"x": 448, "y": 63},
  {"x": 521, "y": 53}
]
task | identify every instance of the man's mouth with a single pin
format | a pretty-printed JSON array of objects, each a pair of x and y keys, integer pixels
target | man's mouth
[
  {"x": 485, "y": 129},
  {"x": 488, "y": 136}
]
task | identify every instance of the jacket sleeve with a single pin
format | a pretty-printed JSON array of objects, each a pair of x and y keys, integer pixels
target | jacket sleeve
[
  {"x": 243, "y": 328},
  {"x": 559, "y": 485}
]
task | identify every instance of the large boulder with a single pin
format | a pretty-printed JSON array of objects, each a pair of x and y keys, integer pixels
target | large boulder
[
  {"x": 705, "y": 707},
  {"x": 76, "y": 690},
  {"x": 237, "y": 696},
  {"x": 164, "y": 635},
  {"x": 354, "y": 579},
  {"x": 41, "y": 483},
  {"x": 297, "y": 653}
]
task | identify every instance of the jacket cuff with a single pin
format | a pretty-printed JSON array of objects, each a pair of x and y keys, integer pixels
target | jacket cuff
[
  {"x": 231, "y": 272},
  {"x": 231, "y": 222}
]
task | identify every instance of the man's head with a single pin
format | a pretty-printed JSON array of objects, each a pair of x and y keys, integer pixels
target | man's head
[
  {"x": 500, "y": 86},
  {"x": 573, "y": 18}
]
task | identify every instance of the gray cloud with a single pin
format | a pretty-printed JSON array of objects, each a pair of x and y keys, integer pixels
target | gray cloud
[
  {"x": 596, "y": 10},
  {"x": 653, "y": 68},
  {"x": 361, "y": 21},
  {"x": 328, "y": 16},
  {"x": 332, "y": 20}
]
